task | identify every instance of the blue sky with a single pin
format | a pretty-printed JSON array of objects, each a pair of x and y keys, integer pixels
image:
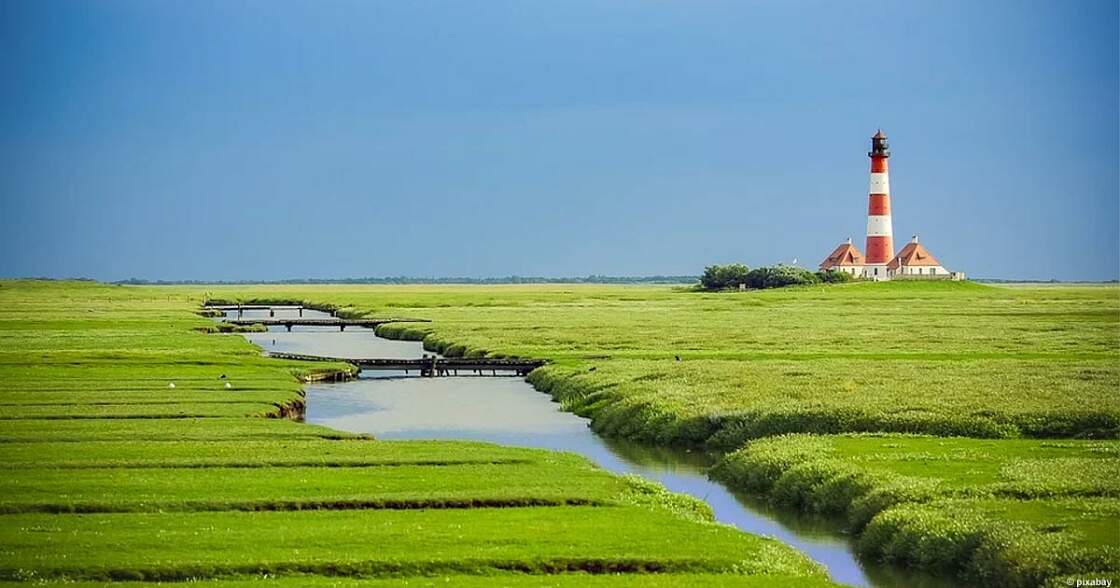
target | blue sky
[{"x": 264, "y": 140}]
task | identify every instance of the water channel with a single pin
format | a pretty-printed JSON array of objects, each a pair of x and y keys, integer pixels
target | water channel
[{"x": 508, "y": 411}]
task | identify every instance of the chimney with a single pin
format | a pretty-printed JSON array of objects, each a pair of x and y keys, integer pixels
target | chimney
[{"x": 914, "y": 239}]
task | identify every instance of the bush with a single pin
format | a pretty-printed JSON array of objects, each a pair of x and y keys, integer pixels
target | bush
[
  {"x": 721, "y": 277},
  {"x": 780, "y": 276},
  {"x": 834, "y": 277}
]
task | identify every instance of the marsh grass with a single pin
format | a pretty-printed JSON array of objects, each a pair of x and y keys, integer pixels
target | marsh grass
[
  {"x": 1023, "y": 372},
  {"x": 109, "y": 473},
  {"x": 945, "y": 358},
  {"x": 1012, "y": 512}
]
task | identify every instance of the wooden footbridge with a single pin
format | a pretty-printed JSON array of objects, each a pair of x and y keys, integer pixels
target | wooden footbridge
[
  {"x": 255, "y": 306},
  {"x": 430, "y": 366},
  {"x": 341, "y": 323},
  {"x": 241, "y": 308}
]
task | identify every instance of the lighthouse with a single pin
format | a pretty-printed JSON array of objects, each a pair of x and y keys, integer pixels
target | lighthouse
[
  {"x": 914, "y": 262},
  {"x": 880, "y": 244}
]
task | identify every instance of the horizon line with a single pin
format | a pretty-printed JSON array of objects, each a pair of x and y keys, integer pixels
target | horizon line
[{"x": 510, "y": 279}]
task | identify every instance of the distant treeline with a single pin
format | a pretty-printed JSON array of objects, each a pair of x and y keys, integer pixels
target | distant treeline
[
  {"x": 594, "y": 279},
  {"x": 1051, "y": 281}
]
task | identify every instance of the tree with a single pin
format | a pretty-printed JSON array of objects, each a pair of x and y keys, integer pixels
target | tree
[{"x": 720, "y": 277}]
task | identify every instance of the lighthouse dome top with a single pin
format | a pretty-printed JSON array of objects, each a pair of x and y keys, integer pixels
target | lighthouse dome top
[{"x": 879, "y": 146}]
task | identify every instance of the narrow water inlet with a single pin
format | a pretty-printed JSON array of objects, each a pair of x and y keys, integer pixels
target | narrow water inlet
[{"x": 509, "y": 411}]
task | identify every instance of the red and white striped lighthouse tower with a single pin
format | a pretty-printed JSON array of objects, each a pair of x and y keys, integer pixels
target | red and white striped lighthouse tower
[{"x": 880, "y": 244}]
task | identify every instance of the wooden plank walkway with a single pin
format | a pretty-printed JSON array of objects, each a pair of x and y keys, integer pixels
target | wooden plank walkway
[
  {"x": 241, "y": 308},
  {"x": 430, "y": 366},
  {"x": 341, "y": 323},
  {"x": 254, "y": 306}
]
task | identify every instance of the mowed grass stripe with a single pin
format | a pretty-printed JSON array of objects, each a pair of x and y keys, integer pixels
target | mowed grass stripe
[
  {"x": 305, "y": 504},
  {"x": 138, "y": 430},
  {"x": 155, "y": 411},
  {"x": 127, "y": 389},
  {"x": 268, "y": 453},
  {"x": 553, "y": 480},
  {"x": 133, "y": 402},
  {"x": 535, "y": 540},
  {"x": 489, "y": 580},
  {"x": 164, "y": 486},
  {"x": 217, "y": 395}
]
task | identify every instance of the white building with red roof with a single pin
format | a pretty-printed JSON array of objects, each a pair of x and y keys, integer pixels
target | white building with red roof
[
  {"x": 845, "y": 258},
  {"x": 916, "y": 260}
]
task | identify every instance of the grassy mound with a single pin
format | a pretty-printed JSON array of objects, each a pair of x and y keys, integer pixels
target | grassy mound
[
  {"x": 1012, "y": 512},
  {"x": 725, "y": 403},
  {"x": 1017, "y": 543}
]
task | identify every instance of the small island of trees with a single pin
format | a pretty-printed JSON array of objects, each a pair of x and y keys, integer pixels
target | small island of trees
[{"x": 737, "y": 275}]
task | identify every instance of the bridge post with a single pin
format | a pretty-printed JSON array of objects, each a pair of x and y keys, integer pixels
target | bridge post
[{"x": 301, "y": 312}]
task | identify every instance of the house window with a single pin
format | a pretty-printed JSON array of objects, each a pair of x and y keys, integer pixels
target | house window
[
  {"x": 876, "y": 271},
  {"x": 919, "y": 271}
]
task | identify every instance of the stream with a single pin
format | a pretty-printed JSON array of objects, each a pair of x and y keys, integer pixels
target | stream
[{"x": 508, "y": 411}]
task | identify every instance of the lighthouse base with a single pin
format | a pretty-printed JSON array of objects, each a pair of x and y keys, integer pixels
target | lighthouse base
[{"x": 876, "y": 272}]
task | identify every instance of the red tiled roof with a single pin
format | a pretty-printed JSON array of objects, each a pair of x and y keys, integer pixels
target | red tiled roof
[
  {"x": 914, "y": 254},
  {"x": 844, "y": 255}
]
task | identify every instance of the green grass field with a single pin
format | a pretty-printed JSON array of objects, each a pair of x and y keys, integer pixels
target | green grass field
[
  {"x": 940, "y": 358},
  {"x": 1011, "y": 480},
  {"x": 111, "y": 474},
  {"x": 1017, "y": 390}
]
